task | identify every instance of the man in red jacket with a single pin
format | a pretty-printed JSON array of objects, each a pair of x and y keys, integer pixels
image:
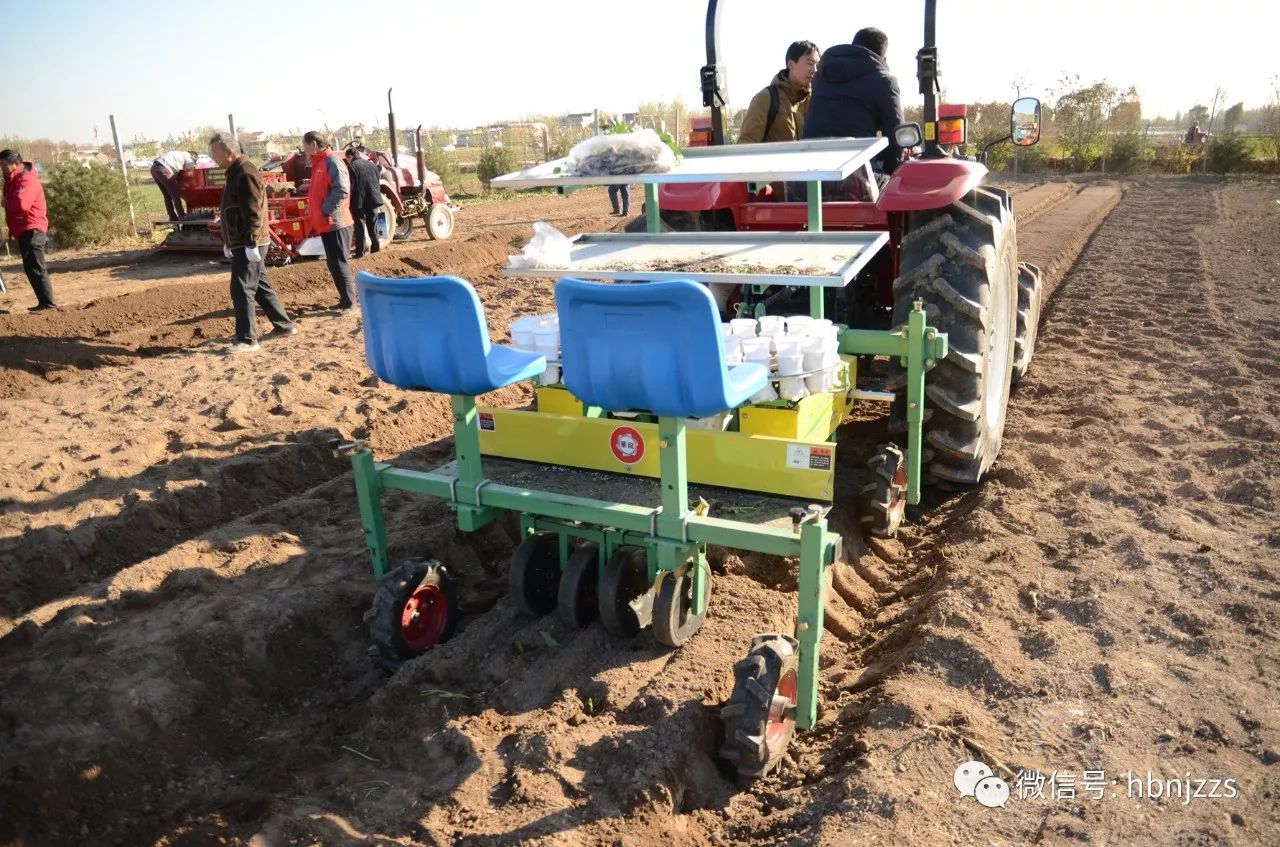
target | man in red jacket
[
  {"x": 329, "y": 209},
  {"x": 25, "y": 213}
]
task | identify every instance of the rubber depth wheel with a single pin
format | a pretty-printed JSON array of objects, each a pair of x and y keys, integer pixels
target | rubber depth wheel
[
  {"x": 577, "y": 602},
  {"x": 1024, "y": 340},
  {"x": 414, "y": 609},
  {"x": 674, "y": 622},
  {"x": 758, "y": 721},
  {"x": 625, "y": 580},
  {"x": 884, "y": 498},
  {"x": 961, "y": 261},
  {"x": 535, "y": 574},
  {"x": 439, "y": 220}
]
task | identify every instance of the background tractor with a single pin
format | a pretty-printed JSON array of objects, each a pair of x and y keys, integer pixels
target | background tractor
[{"x": 409, "y": 191}]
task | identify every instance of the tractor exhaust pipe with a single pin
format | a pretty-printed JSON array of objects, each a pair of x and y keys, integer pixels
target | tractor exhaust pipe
[
  {"x": 391, "y": 128},
  {"x": 712, "y": 75},
  {"x": 421, "y": 157}
]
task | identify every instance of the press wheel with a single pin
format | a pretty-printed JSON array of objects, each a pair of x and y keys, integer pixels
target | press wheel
[
  {"x": 535, "y": 574},
  {"x": 577, "y": 603},
  {"x": 626, "y": 602},
  {"x": 674, "y": 622}
]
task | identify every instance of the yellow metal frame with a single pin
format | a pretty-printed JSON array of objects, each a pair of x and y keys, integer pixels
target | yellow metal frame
[
  {"x": 813, "y": 418},
  {"x": 558, "y": 401},
  {"x": 786, "y": 467}
]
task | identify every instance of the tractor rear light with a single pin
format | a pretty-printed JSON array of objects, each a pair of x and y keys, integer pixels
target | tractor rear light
[{"x": 951, "y": 131}]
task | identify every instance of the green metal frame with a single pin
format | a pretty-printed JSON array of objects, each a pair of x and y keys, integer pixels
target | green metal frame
[
  {"x": 674, "y": 536},
  {"x": 919, "y": 347}
]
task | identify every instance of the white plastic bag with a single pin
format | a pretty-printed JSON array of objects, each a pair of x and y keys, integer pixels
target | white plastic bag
[
  {"x": 640, "y": 152},
  {"x": 549, "y": 248}
]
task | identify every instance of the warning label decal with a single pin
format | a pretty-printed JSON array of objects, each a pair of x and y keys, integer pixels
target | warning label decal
[{"x": 809, "y": 458}]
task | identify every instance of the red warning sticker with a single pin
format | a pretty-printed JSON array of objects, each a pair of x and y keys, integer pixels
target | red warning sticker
[
  {"x": 487, "y": 423},
  {"x": 627, "y": 445}
]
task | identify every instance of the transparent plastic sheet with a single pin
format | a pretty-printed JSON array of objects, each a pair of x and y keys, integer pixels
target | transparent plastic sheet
[
  {"x": 621, "y": 153},
  {"x": 549, "y": 248}
]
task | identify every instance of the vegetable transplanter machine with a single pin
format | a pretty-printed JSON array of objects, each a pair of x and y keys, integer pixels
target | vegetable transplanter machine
[{"x": 658, "y": 428}]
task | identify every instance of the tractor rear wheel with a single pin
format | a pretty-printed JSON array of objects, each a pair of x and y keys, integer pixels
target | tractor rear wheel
[
  {"x": 388, "y": 211},
  {"x": 759, "y": 720},
  {"x": 961, "y": 261},
  {"x": 1029, "y": 297},
  {"x": 414, "y": 608}
]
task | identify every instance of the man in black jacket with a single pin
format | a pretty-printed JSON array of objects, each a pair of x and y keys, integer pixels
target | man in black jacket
[
  {"x": 246, "y": 239},
  {"x": 855, "y": 95},
  {"x": 366, "y": 198}
]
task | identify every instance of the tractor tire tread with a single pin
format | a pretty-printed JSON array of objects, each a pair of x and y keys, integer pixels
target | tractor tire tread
[
  {"x": 957, "y": 260},
  {"x": 1030, "y": 302},
  {"x": 394, "y": 590},
  {"x": 746, "y": 715}
]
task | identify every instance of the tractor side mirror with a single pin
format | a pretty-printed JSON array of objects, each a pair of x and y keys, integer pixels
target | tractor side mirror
[{"x": 1024, "y": 121}]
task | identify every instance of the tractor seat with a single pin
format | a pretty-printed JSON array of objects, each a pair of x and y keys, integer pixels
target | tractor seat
[
  {"x": 654, "y": 347},
  {"x": 430, "y": 334}
]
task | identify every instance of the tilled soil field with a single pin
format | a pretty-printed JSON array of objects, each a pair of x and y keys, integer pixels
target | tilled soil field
[{"x": 183, "y": 659}]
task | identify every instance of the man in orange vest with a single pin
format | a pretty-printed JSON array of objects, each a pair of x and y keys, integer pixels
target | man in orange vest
[{"x": 329, "y": 210}]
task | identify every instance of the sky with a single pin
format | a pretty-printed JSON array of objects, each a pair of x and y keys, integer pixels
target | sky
[{"x": 162, "y": 68}]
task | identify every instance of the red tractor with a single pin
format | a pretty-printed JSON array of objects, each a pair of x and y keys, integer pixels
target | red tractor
[{"x": 952, "y": 245}]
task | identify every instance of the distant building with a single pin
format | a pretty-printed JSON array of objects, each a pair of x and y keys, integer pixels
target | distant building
[
  {"x": 85, "y": 155},
  {"x": 351, "y": 132},
  {"x": 578, "y": 120},
  {"x": 258, "y": 145}
]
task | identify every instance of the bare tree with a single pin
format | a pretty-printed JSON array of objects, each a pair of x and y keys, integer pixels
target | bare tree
[
  {"x": 1271, "y": 116},
  {"x": 1218, "y": 97}
]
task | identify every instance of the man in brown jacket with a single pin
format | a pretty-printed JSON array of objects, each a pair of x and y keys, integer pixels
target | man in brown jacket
[
  {"x": 778, "y": 110},
  {"x": 246, "y": 240}
]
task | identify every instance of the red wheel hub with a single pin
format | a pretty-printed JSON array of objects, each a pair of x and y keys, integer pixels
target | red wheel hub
[
  {"x": 424, "y": 618},
  {"x": 784, "y": 699}
]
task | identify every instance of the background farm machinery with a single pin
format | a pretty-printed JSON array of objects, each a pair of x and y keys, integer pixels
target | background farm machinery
[{"x": 409, "y": 191}]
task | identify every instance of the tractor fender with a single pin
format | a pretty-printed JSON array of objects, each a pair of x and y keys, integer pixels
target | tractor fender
[
  {"x": 389, "y": 191},
  {"x": 700, "y": 196},
  {"x": 922, "y": 184}
]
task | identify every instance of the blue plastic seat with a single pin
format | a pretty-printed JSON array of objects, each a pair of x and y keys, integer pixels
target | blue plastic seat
[
  {"x": 431, "y": 334},
  {"x": 654, "y": 346}
]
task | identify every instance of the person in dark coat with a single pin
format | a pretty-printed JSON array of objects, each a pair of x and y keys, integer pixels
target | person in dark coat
[
  {"x": 855, "y": 95},
  {"x": 246, "y": 238},
  {"x": 366, "y": 198}
]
